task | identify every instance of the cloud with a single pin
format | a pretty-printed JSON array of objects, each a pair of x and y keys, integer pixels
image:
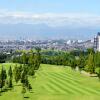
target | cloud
[{"x": 51, "y": 19}]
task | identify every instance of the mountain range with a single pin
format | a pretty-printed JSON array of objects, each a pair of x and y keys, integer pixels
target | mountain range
[{"x": 43, "y": 31}]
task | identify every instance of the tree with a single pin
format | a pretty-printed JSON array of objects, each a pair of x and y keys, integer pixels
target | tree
[
  {"x": 3, "y": 57},
  {"x": 31, "y": 71},
  {"x": 23, "y": 90},
  {"x": 37, "y": 58},
  {"x": 17, "y": 73},
  {"x": 29, "y": 87},
  {"x": 24, "y": 58},
  {"x": 90, "y": 50},
  {"x": 25, "y": 81},
  {"x": 31, "y": 63},
  {"x": 97, "y": 71},
  {"x": 97, "y": 59},
  {"x": 10, "y": 74},
  {"x": 90, "y": 64},
  {"x": 3, "y": 77},
  {"x": 81, "y": 61},
  {"x": 10, "y": 84},
  {"x": 31, "y": 59},
  {"x": 73, "y": 64},
  {"x": 23, "y": 76}
]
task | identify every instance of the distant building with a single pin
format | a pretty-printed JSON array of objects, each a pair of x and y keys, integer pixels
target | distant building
[{"x": 97, "y": 42}]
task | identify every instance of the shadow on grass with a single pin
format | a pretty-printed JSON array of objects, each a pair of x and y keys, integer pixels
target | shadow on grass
[
  {"x": 18, "y": 85},
  {"x": 4, "y": 90},
  {"x": 26, "y": 97},
  {"x": 93, "y": 76}
]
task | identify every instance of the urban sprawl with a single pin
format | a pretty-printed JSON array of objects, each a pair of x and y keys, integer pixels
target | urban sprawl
[{"x": 65, "y": 45}]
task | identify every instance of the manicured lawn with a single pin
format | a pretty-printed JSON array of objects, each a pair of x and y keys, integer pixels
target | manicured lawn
[{"x": 57, "y": 83}]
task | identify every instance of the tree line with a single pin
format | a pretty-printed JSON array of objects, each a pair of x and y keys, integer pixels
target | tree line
[
  {"x": 87, "y": 60},
  {"x": 26, "y": 64}
]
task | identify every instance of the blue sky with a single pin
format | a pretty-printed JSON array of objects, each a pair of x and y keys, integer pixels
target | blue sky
[
  {"x": 52, "y": 6},
  {"x": 61, "y": 16}
]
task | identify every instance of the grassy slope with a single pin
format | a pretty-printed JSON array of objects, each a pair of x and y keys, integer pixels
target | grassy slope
[{"x": 57, "y": 83}]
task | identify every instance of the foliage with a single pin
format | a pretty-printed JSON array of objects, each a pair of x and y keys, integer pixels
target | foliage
[
  {"x": 3, "y": 77},
  {"x": 97, "y": 71},
  {"x": 90, "y": 63},
  {"x": 10, "y": 74},
  {"x": 3, "y": 57}
]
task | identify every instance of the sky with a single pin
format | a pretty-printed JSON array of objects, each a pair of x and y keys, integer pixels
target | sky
[
  {"x": 49, "y": 18},
  {"x": 52, "y": 6}
]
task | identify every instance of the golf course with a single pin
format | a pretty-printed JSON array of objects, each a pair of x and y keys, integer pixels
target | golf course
[{"x": 53, "y": 82}]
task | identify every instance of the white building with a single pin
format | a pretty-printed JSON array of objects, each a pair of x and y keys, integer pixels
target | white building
[{"x": 97, "y": 42}]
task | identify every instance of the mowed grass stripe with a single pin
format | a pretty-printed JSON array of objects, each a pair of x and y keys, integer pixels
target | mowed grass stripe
[
  {"x": 80, "y": 88},
  {"x": 91, "y": 89},
  {"x": 65, "y": 84},
  {"x": 69, "y": 78},
  {"x": 77, "y": 88},
  {"x": 58, "y": 87},
  {"x": 66, "y": 76},
  {"x": 71, "y": 85},
  {"x": 71, "y": 72},
  {"x": 53, "y": 88},
  {"x": 48, "y": 89},
  {"x": 61, "y": 88},
  {"x": 62, "y": 75},
  {"x": 85, "y": 88},
  {"x": 76, "y": 75}
]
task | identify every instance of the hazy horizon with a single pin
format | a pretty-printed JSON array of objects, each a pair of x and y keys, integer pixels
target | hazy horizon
[{"x": 43, "y": 19}]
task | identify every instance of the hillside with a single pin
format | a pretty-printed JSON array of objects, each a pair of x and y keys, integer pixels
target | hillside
[{"x": 57, "y": 83}]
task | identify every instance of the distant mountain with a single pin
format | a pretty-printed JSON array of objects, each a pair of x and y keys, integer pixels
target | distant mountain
[{"x": 43, "y": 31}]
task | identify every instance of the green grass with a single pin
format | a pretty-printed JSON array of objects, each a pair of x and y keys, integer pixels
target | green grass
[{"x": 57, "y": 83}]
